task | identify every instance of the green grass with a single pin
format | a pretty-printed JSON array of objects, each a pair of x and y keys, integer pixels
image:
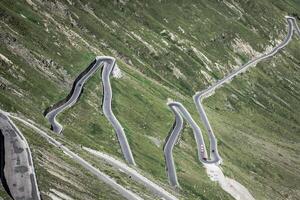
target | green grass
[
  {"x": 55, "y": 170},
  {"x": 259, "y": 145}
]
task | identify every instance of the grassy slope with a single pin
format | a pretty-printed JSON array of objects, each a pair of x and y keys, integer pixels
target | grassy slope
[
  {"x": 208, "y": 30},
  {"x": 255, "y": 118},
  {"x": 55, "y": 170}
]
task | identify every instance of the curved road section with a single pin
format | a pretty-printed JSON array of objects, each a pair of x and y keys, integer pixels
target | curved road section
[
  {"x": 18, "y": 169},
  {"x": 180, "y": 111},
  {"x": 108, "y": 64},
  {"x": 88, "y": 166}
]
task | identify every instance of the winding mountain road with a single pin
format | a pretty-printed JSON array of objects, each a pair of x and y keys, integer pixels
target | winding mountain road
[
  {"x": 155, "y": 188},
  {"x": 88, "y": 166},
  {"x": 179, "y": 110},
  {"x": 108, "y": 64}
]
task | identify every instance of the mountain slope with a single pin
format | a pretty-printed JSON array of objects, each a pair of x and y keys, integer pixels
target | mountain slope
[{"x": 165, "y": 50}]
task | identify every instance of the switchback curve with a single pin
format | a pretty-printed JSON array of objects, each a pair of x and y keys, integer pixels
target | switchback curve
[
  {"x": 108, "y": 64},
  {"x": 178, "y": 109}
]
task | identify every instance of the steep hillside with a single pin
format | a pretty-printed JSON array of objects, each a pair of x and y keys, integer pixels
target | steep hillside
[{"x": 165, "y": 49}]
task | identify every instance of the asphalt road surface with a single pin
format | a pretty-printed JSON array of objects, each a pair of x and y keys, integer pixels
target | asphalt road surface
[
  {"x": 179, "y": 110},
  {"x": 100, "y": 175},
  {"x": 108, "y": 64},
  {"x": 18, "y": 169},
  {"x": 156, "y": 189}
]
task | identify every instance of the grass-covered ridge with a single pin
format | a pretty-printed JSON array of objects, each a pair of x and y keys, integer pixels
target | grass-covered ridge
[{"x": 165, "y": 50}]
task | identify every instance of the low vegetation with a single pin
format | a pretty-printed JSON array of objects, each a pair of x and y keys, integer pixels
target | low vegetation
[{"x": 165, "y": 50}]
